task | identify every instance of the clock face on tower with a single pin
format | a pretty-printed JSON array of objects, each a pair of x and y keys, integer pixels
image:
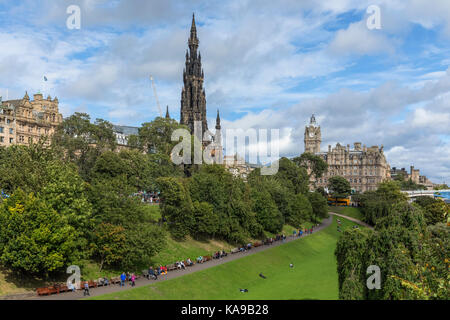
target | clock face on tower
[{"x": 311, "y": 134}]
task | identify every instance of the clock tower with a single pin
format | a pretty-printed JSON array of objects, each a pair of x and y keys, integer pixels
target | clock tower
[{"x": 313, "y": 137}]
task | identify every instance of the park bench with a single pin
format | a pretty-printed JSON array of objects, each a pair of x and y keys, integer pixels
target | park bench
[
  {"x": 61, "y": 287},
  {"x": 43, "y": 291},
  {"x": 114, "y": 280},
  {"x": 171, "y": 267},
  {"x": 257, "y": 244},
  {"x": 235, "y": 250},
  {"x": 53, "y": 290},
  {"x": 188, "y": 265}
]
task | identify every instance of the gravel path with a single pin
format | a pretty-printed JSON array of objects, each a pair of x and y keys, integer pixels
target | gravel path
[
  {"x": 175, "y": 274},
  {"x": 352, "y": 219}
]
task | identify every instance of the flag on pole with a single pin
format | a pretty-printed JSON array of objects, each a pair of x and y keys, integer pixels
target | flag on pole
[{"x": 45, "y": 78}]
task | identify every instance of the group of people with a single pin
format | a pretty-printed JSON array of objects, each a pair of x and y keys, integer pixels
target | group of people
[
  {"x": 219, "y": 254},
  {"x": 128, "y": 278},
  {"x": 300, "y": 232}
]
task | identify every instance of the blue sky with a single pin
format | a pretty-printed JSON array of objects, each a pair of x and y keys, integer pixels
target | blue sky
[{"x": 267, "y": 65}]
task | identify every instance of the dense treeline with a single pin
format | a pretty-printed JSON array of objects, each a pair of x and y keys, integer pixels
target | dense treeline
[
  {"x": 410, "y": 243},
  {"x": 214, "y": 203},
  {"x": 74, "y": 201}
]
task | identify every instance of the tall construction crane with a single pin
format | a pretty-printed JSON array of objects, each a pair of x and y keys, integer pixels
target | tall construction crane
[{"x": 156, "y": 96}]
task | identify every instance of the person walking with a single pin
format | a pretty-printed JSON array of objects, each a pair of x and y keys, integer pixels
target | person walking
[
  {"x": 133, "y": 280},
  {"x": 123, "y": 277},
  {"x": 86, "y": 289}
]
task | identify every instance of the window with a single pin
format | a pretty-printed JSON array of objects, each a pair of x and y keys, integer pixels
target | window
[
  {"x": 2, "y": 129},
  {"x": 2, "y": 139},
  {"x": 8, "y": 121},
  {"x": 11, "y": 131},
  {"x": 11, "y": 140}
]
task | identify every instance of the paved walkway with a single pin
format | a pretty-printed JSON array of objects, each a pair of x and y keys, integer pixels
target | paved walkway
[
  {"x": 352, "y": 219},
  {"x": 175, "y": 274}
]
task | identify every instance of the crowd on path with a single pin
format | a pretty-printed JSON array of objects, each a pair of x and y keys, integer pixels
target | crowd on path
[{"x": 161, "y": 271}]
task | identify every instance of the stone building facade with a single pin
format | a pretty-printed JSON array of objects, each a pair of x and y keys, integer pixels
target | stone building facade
[
  {"x": 414, "y": 175},
  {"x": 364, "y": 167},
  {"x": 23, "y": 121}
]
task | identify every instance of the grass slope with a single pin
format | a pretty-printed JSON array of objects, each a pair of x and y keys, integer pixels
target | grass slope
[
  {"x": 314, "y": 274},
  {"x": 348, "y": 211}
]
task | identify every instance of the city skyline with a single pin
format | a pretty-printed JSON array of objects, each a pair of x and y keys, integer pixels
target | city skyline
[{"x": 269, "y": 68}]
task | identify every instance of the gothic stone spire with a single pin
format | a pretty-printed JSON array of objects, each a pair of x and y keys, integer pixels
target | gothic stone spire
[{"x": 193, "y": 100}]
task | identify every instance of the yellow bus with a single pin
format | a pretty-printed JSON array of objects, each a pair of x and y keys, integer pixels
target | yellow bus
[{"x": 338, "y": 201}]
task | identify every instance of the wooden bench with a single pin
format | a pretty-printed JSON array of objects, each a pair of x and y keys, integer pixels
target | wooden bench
[
  {"x": 257, "y": 244},
  {"x": 61, "y": 287},
  {"x": 171, "y": 267},
  {"x": 114, "y": 280},
  {"x": 188, "y": 265},
  {"x": 43, "y": 291},
  {"x": 53, "y": 290}
]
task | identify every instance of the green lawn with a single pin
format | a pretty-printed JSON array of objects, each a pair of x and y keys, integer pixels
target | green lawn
[
  {"x": 314, "y": 274},
  {"x": 348, "y": 211}
]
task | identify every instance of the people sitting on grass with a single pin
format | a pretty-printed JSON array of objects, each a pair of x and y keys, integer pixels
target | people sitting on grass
[
  {"x": 249, "y": 246},
  {"x": 105, "y": 281},
  {"x": 223, "y": 254},
  {"x": 200, "y": 259},
  {"x": 189, "y": 262}
]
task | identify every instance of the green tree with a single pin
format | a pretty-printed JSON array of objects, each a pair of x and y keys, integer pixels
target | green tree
[
  {"x": 176, "y": 206},
  {"x": 206, "y": 220},
  {"x": 81, "y": 141},
  {"x": 34, "y": 238},
  {"x": 319, "y": 205},
  {"x": 315, "y": 164},
  {"x": 292, "y": 176},
  {"x": 109, "y": 243},
  {"x": 155, "y": 136},
  {"x": 143, "y": 241},
  {"x": 339, "y": 187},
  {"x": 436, "y": 212},
  {"x": 302, "y": 211},
  {"x": 267, "y": 213}
]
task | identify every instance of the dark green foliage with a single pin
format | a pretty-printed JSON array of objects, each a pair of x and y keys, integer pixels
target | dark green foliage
[
  {"x": 267, "y": 213},
  {"x": 81, "y": 141},
  {"x": 206, "y": 220},
  {"x": 379, "y": 203},
  {"x": 411, "y": 256},
  {"x": 435, "y": 210},
  {"x": 308, "y": 160},
  {"x": 319, "y": 206},
  {"x": 33, "y": 237},
  {"x": 301, "y": 211},
  {"x": 176, "y": 206},
  {"x": 339, "y": 187}
]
